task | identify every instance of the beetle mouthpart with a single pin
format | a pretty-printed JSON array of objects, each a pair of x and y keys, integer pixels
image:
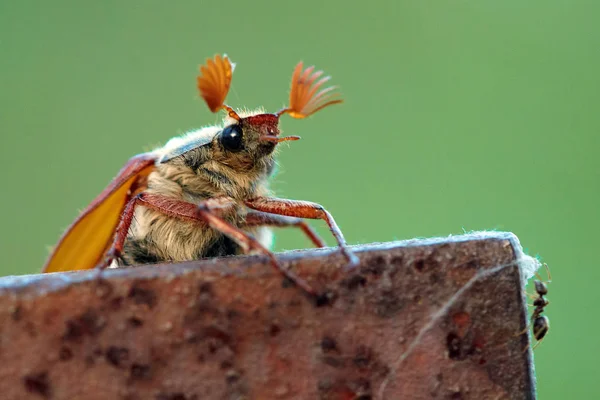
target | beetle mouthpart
[{"x": 276, "y": 139}]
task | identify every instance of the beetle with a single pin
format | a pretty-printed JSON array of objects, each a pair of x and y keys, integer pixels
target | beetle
[{"x": 203, "y": 194}]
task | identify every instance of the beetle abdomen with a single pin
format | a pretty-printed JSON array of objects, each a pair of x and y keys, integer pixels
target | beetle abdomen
[
  {"x": 221, "y": 247},
  {"x": 141, "y": 251}
]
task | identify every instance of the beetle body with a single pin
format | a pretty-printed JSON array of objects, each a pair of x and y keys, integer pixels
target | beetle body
[
  {"x": 204, "y": 172},
  {"x": 203, "y": 194}
]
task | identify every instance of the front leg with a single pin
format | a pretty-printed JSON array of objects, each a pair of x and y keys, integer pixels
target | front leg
[
  {"x": 257, "y": 218},
  {"x": 303, "y": 209},
  {"x": 207, "y": 212}
]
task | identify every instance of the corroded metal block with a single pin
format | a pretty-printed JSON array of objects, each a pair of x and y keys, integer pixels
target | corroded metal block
[{"x": 419, "y": 319}]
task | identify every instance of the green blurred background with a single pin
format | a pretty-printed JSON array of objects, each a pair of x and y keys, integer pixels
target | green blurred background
[{"x": 459, "y": 115}]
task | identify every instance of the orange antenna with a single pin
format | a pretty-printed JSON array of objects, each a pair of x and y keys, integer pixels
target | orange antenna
[
  {"x": 305, "y": 96},
  {"x": 214, "y": 82}
]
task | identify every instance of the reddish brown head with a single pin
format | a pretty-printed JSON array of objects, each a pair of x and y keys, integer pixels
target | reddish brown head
[{"x": 306, "y": 98}]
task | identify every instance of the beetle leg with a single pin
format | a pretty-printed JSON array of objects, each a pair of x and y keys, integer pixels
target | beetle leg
[
  {"x": 249, "y": 243},
  {"x": 257, "y": 218},
  {"x": 207, "y": 212},
  {"x": 303, "y": 209},
  {"x": 115, "y": 250}
]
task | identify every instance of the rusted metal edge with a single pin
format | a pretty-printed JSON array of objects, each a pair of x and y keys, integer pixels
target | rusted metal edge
[
  {"x": 423, "y": 318},
  {"x": 55, "y": 281}
]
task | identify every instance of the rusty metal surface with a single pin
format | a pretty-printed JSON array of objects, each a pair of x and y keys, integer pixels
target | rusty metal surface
[{"x": 422, "y": 320}]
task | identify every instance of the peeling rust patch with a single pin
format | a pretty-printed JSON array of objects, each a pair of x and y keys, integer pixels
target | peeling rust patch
[
  {"x": 354, "y": 282},
  {"x": 344, "y": 389},
  {"x": 103, "y": 288},
  {"x": 65, "y": 354},
  {"x": 135, "y": 322},
  {"x": 117, "y": 356},
  {"x": 206, "y": 288},
  {"x": 176, "y": 396},
  {"x": 115, "y": 303},
  {"x": 142, "y": 296},
  {"x": 90, "y": 323},
  {"x": 324, "y": 299},
  {"x": 274, "y": 330},
  {"x": 419, "y": 265},
  {"x": 287, "y": 283},
  {"x": 375, "y": 265},
  {"x": 38, "y": 384},
  {"x": 328, "y": 344},
  {"x": 388, "y": 304},
  {"x": 140, "y": 372},
  {"x": 17, "y": 313},
  {"x": 454, "y": 346},
  {"x": 363, "y": 357}
]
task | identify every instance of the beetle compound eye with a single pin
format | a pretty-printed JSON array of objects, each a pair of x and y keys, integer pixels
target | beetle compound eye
[{"x": 231, "y": 138}]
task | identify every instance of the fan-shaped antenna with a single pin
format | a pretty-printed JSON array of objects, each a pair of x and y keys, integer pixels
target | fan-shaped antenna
[{"x": 214, "y": 82}]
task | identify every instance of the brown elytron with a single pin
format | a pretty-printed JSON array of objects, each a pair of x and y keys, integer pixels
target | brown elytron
[{"x": 203, "y": 194}]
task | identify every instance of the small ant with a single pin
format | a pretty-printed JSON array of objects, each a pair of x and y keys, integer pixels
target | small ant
[{"x": 541, "y": 323}]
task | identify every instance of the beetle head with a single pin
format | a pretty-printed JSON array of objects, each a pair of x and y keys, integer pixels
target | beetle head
[{"x": 259, "y": 133}]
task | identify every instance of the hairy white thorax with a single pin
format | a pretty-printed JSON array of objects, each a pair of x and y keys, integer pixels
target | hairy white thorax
[{"x": 175, "y": 239}]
